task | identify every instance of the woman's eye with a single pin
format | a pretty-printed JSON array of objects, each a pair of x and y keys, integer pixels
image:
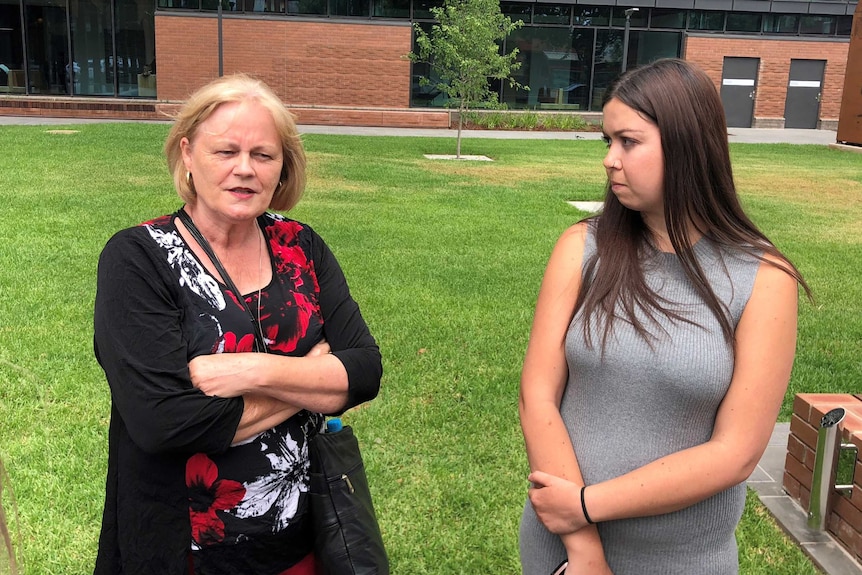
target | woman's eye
[{"x": 607, "y": 141}]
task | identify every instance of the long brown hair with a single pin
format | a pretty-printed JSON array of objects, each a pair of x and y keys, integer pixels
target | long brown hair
[{"x": 699, "y": 192}]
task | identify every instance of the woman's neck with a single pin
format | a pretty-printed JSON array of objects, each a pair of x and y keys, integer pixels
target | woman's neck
[{"x": 224, "y": 235}]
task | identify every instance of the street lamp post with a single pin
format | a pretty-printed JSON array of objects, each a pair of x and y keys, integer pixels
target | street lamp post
[
  {"x": 629, "y": 12},
  {"x": 220, "y": 43}
]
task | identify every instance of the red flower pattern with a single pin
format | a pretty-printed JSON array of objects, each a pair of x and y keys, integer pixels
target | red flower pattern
[
  {"x": 231, "y": 345},
  {"x": 291, "y": 262},
  {"x": 208, "y": 494}
]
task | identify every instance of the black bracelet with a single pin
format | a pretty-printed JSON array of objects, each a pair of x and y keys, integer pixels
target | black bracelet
[{"x": 584, "y": 507}]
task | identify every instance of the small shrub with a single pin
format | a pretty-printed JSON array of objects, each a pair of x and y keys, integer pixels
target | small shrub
[{"x": 526, "y": 120}]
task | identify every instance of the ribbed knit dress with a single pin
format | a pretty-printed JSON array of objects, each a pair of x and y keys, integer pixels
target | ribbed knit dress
[{"x": 639, "y": 403}]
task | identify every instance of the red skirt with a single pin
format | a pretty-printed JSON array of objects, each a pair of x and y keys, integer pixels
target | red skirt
[{"x": 308, "y": 566}]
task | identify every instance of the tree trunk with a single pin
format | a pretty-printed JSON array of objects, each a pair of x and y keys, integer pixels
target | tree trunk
[{"x": 461, "y": 109}]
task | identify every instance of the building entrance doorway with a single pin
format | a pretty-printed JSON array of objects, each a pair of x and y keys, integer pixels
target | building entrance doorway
[
  {"x": 738, "y": 90},
  {"x": 802, "y": 106}
]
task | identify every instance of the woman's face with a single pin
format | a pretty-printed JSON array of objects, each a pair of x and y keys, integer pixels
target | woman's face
[
  {"x": 235, "y": 159},
  {"x": 635, "y": 161}
]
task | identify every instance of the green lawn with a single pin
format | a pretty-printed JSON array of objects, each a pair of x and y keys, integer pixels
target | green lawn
[{"x": 445, "y": 259}]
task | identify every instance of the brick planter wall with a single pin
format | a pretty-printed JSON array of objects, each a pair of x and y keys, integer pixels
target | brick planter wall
[{"x": 844, "y": 518}]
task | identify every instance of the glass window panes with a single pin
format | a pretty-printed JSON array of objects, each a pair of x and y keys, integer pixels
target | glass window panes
[
  {"x": 277, "y": 6},
  {"x": 844, "y": 25},
  {"x": 180, "y": 4},
  {"x": 552, "y": 14},
  {"x": 667, "y": 18},
  {"x": 637, "y": 19},
  {"x": 592, "y": 15},
  {"x": 213, "y": 5},
  {"x": 555, "y": 64},
  {"x": 314, "y": 7},
  {"x": 743, "y": 22},
  {"x": 708, "y": 21},
  {"x": 817, "y": 25},
  {"x": 421, "y": 8},
  {"x": 516, "y": 11},
  {"x": 135, "y": 64},
  {"x": 11, "y": 48},
  {"x": 780, "y": 23},
  {"x": 350, "y": 8},
  {"x": 49, "y": 67},
  {"x": 392, "y": 8}
]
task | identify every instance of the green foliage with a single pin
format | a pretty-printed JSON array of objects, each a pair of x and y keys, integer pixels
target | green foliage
[
  {"x": 445, "y": 260},
  {"x": 463, "y": 51},
  {"x": 526, "y": 120}
]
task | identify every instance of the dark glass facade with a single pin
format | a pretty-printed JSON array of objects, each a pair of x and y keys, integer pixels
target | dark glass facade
[
  {"x": 77, "y": 47},
  {"x": 568, "y": 52}
]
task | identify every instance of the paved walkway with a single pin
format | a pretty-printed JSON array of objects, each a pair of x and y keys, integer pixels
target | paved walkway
[
  {"x": 767, "y": 478},
  {"x": 741, "y": 135}
]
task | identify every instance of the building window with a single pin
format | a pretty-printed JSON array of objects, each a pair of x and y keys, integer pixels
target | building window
[
  {"x": 823, "y": 25},
  {"x": 706, "y": 21},
  {"x": 592, "y": 16},
  {"x": 780, "y": 24},
  {"x": 844, "y": 25},
  {"x": 307, "y": 7},
  {"x": 12, "y": 78},
  {"x": 270, "y": 6},
  {"x": 516, "y": 11},
  {"x": 392, "y": 8},
  {"x": 180, "y": 4},
  {"x": 552, "y": 14},
  {"x": 638, "y": 19},
  {"x": 743, "y": 22},
  {"x": 422, "y": 9},
  {"x": 667, "y": 18},
  {"x": 358, "y": 8}
]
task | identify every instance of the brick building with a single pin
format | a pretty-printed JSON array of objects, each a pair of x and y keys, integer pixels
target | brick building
[{"x": 778, "y": 63}]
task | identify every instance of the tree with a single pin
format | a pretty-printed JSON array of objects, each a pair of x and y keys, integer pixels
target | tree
[{"x": 463, "y": 51}]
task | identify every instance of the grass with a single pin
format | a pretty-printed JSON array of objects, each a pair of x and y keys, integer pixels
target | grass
[{"x": 445, "y": 259}]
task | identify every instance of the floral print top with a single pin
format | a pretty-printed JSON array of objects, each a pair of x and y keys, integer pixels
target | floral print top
[{"x": 179, "y": 497}]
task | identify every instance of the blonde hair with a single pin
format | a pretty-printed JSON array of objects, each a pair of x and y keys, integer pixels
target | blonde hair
[
  {"x": 234, "y": 89},
  {"x": 5, "y": 535}
]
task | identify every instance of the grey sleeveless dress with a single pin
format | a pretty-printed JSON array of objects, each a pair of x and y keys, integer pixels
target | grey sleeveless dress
[{"x": 638, "y": 404}]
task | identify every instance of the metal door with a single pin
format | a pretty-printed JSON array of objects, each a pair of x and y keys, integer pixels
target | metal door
[
  {"x": 738, "y": 89},
  {"x": 802, "y": 106}
]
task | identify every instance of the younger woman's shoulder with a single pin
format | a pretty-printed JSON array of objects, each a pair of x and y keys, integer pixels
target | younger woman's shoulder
[{"x": 578, "y": 232}]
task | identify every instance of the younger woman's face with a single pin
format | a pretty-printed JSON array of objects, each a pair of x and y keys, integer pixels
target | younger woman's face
[{"x": 635, "y": 161}]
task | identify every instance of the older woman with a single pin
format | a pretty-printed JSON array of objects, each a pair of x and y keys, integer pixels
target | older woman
[{"x": 208, "y": 461}]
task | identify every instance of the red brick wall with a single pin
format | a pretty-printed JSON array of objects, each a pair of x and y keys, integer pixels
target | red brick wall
[
  {"x": 844, "y": 517},
  {"x": 319, "y": 63},
  {"x": 774, "y": 71}
]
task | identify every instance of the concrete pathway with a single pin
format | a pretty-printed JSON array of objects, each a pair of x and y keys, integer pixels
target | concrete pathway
[{"x": 741, "y": 135}]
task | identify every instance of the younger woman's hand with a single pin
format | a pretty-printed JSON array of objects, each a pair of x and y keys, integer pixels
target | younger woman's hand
[{"x": 557, "y": 503}]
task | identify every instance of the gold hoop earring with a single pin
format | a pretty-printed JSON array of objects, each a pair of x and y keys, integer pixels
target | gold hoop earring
[{"x": 188, "y": 178}]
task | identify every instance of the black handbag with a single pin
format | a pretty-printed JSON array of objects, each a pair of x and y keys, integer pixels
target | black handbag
[{"x": 347, "y": 536}]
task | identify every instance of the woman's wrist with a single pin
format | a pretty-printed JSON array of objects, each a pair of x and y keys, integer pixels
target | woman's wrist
[{"x": 586, "y": 513}]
